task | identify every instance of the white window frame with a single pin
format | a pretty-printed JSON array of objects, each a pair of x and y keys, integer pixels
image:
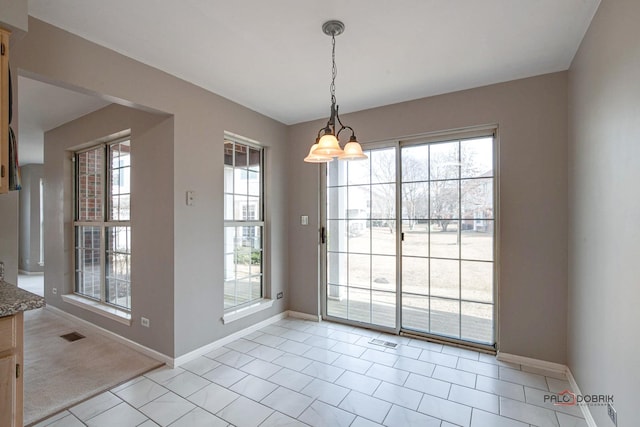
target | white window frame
[
  {"x": 99, "y": 305},
  {"x": 240, "y": 218}
]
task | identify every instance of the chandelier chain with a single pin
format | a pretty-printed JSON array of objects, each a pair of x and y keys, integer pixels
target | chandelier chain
[{"x": 334, "y": 69}]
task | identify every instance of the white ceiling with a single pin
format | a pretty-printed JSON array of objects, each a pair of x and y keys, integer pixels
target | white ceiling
[
  {"x": 42, "y": 107},
  {"x": 272, "y": 56}
]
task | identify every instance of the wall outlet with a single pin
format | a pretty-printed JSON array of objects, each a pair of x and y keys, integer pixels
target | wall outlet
[
  {"x": 280, "y": 295},
  {"x": 612, "y": 414},
  {"x": 54, "y": 291},
  {"x": 144, "y": 322}
]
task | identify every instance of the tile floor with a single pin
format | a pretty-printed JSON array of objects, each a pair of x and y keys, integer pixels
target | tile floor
[{"x": 297, "y": 372}]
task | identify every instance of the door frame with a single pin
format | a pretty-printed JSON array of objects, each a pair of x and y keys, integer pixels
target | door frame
[{"x": 398, "y": 144}]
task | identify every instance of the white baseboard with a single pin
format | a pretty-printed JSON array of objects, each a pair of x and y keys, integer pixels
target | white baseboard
[
  {"x": 31, "y": 273},
  {"x": 160, "y": 357},
  {"x": 304, "y": 316},
  {"x": 225, "y": 340},
  {"x": 174, "y": 362},
  {"x": 533, "y": 363},
  {"x": 552, "y": 367},
  {"x": 586, "y": 413}
]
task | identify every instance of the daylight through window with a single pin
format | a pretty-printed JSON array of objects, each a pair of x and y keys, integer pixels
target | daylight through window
[
  {"x": 102, "y": 223},
  {"x": 243, "y": 223}
]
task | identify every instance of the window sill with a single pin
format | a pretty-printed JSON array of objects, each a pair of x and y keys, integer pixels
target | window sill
[
  {"x": 237, "y": 314},
  {"x": 99, "y": 308}
]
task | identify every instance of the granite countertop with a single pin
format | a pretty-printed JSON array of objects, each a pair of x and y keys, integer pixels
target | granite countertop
[{"x": 14, "y": 300}]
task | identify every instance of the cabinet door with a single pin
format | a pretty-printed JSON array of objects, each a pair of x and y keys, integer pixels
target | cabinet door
[{"x": 8, "y": 391}]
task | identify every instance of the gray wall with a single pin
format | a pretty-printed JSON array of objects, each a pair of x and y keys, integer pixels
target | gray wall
[
  {"x": 604, "y": 210},
  {"x": 29, "y": 235},
  {"x": 151, "y": 218},
  {"x": 13, "y": 15},
  {"x": 200, "y": 119},
  {"x": 9, "y": 235},
  {"x": 532, "y": 119}
]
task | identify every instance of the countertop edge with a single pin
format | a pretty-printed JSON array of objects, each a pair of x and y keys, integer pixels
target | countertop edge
[{"x": 14, "y": 300}]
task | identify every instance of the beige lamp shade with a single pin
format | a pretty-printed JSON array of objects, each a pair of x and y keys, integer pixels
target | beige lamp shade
[
  {"x": 328, "y": 146},
  {"x": 353, "y": 151},
  {"x": 312, "y": 157}
]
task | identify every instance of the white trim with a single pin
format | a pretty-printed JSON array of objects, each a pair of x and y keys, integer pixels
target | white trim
[
  {"x": 225, "y": 340},
  {"x": 305, "y": 316},
  {"x": 533, "y": 363},
  {"x": 232, "y": 316},
  {"x": 175, "y": 362},
  {"x": 160, "y": 357},
  {"x": 31, "y": 273},
  {"x": 586, "y": 413},
  {"x": 553, "y": 367},
  {"x": 105, "y": 310}
]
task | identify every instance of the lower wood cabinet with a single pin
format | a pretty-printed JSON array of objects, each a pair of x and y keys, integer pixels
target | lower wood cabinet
[{"x": 11, "y": 362}]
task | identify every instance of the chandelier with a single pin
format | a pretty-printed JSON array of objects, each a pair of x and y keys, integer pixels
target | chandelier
[{"x": 327, "y": 145}]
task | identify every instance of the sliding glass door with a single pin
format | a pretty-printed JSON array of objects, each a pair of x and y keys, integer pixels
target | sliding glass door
[
  {"x": 411, "y": 239},
  {"x": 448, "y": 246},
  {"x": 361, "y": 245}
]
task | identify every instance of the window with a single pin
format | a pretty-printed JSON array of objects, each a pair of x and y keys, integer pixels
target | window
[
  {"x": 243, "y": 222},
  {"x": 41, "y": 262},
  {"x": 102, "y": 223}
]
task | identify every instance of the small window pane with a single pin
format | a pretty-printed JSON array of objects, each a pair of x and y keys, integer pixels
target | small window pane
[
  {"x": 445, "y": 243},
  {"x": 120, "y": 188},
  {"x": 476, "y": 280},
  {"x": 477, "y": 198},
  {"x": 335, "y": 229},
  {"x": 337, "y": 203},
  {"x": 88, "y": 253},
  {"x": 477, "y": 157},
  {"x": 445, "y": 278},
  {"x": 445, "y": 317},
  {"x": 383, "y": 166},
  {"x": 359, "y": 271},
  {"x": 118, "y": 269},
  {"x": 358, "y": 172},
  {"x": 415, "y": 312},
  {"x": 415, "y": 275},
  {"x": 383, "y": 273},
  {"x": 444, "y": 198},
  {"x": 90, "y": 184},
  {"x": 228, "y": 153},
  {"x": 241, "y": 157},
  {"x": 383, "y": 201},
  {"x": 416, "y": 241},
  {"x": 254, "y": 159},
  {"x": 415, "y": 163},
  {"x": 359, "y": 305},
  {"x": 254, "y": 183},
  {"x": 415, "y": 202},
  {"x": 477, "y": 322},
  {"x": 383, "y": 308},
  {"x": 477, "y": 242},
  {"x": 241, "y": 183},
  {"x": 444, "y": 161}
]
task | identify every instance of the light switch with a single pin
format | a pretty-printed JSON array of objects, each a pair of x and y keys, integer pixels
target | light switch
[
  {"x": 190, "y": 197},
  {"x": 304, "y": 220}
]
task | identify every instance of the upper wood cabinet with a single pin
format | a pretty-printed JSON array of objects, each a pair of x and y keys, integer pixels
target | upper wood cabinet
[{"x": 4, "y": 110}]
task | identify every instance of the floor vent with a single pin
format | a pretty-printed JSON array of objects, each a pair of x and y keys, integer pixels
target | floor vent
[
  {"x": 383, "y": 343},
  {"x": 73, "y": 336}
]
